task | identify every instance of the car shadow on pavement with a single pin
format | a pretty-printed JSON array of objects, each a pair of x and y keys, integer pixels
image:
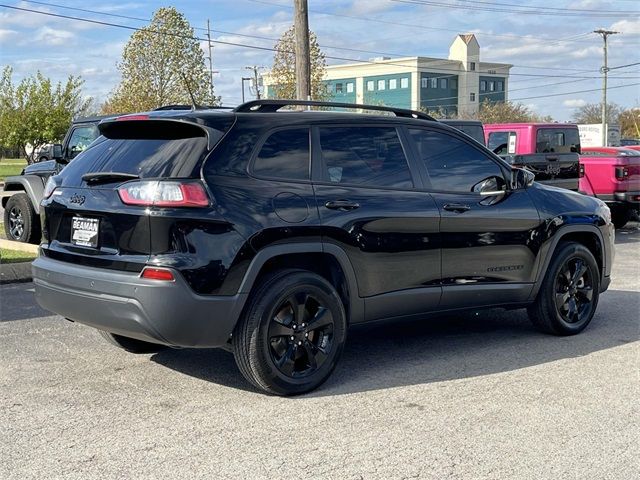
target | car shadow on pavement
[
  {"x": 630, "y": 233},
  {"x": 450, "y": 347}
]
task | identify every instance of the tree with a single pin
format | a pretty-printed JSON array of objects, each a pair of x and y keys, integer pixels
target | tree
[
  {"x": 283, "y": 73},
  {"x": 508, "y": 112},
  {"x": 629, "y": 121},
  {"x": 592, "y": 113},
  {"x": 160, "y": 64},
  {"x": 36, "y": 112}
]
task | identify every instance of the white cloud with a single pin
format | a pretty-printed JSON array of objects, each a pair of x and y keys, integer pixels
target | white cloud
[
  {"x": 367, "y": 7},
  {"x": 627, "y": 26},
  {"x": 54, "y": 37},
  {"x": 574, "y": 103},
  {"x": 6, "y": 35}
]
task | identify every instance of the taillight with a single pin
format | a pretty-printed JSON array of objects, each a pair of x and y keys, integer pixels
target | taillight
[
  {"x": 581, "y": 170},
  {"x": 622, "y": 173},
  {"x": 153, "y": 273},
  {"x": 125, "y": 118},
  {"x": 164, "y": 194}
]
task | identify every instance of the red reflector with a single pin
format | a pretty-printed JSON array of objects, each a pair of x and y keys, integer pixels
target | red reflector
[
  {"x": 132, "y": 117},
  {"x": 158, "y": 274}
]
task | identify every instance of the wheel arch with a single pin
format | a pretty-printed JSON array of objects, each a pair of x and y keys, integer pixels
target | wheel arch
[
  {"x": 31, "y": 185},
  {"x": 587, "y": 235},
  {"x": 328, "y": 261}
]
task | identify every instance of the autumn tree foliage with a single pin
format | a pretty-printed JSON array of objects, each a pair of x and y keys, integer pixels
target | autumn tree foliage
[
  {"x": 283, "y": 72},
  {"x": 160, "y": 65}
]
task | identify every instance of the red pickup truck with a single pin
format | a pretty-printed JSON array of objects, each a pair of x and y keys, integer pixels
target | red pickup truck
[{"x": 612, "y": 174}]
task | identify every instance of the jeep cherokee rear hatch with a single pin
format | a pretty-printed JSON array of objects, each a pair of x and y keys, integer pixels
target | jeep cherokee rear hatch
[{"x": 98, "y": 210}]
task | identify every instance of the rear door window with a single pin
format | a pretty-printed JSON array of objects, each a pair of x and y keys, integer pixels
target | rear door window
[
  {"x": 557, "y": 140},
  {"x": 285, "y": 154},
  {"x": 367, "y": 156}
]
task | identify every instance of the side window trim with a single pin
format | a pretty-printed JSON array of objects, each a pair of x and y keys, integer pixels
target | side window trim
[
  {"x": 316, "y": 156},
  {"x": 502, "y": 166},
  {"x": 260, "y": 143}
]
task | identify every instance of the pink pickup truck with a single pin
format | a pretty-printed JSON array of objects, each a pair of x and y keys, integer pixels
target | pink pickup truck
[
  {"x": 612, "y": 174},
  {"x": 549, "y": 150}
]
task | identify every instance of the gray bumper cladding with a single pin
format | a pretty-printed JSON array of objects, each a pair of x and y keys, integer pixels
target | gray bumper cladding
[{"x": 169, "y": 313}]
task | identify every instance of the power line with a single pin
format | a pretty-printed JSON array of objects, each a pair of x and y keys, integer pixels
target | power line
[{"x": 520, "y": 10}]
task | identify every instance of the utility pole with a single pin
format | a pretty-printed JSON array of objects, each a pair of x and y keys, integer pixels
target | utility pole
[
  {"x": 256, "y": 86},
  {"x": 605, "y": 70},
  {"x": 303, "y": 58},
  {"x": 210, "y": 61}
]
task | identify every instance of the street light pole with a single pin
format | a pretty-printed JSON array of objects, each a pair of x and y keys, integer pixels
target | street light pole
[{"x": 605, "y": 70}]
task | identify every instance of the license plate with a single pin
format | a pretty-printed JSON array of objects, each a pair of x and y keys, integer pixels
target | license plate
[{"x": 84, "y": 231}]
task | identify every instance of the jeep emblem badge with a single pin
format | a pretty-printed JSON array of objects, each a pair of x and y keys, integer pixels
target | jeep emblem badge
[{"x": 79, "y": 199}]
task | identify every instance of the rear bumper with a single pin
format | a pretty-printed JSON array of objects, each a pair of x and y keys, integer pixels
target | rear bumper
[
  {"x": 621, "y": 198},
  {"x": 168, "y": 313}
]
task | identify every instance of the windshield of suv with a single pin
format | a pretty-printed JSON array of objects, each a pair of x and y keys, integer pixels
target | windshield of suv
[{"x": 558, "y": 140}]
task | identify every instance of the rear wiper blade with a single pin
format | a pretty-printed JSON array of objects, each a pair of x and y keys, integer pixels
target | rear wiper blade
[{"x": 94, "y": 178}]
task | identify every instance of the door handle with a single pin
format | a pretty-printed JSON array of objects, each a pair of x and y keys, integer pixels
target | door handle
[
  {"x": 342, "y": 205},
  {"x": 456, "y": 207}
]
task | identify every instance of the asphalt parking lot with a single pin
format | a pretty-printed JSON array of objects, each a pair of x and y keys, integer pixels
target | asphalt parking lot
[{"x": 479, "y": 395}]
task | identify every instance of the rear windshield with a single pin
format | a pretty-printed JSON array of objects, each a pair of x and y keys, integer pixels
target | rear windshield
[
  {"x": 558, "y": 140},
  {"x": 177, "y": 152}
]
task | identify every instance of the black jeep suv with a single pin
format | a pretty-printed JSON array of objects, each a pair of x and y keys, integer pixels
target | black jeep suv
[{"x": 269, "y": 232}]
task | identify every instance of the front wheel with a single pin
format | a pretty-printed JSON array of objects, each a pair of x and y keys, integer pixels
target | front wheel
[
  {"x": 292, "y": 333},
  {"x": 21, "y": 222},
  {"x": 569, "y": 294}
]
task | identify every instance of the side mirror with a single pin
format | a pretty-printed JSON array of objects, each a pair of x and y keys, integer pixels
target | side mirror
[
  {"x": 521, "y": 178},
  {"x": 56, "y": 152},
  {"x": 490, "y": 187}
]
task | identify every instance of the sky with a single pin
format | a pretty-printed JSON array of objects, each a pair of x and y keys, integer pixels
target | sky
[{"x": 556, "y": 56}]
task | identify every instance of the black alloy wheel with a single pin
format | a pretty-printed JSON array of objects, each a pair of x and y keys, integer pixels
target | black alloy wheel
[
  {"x": 569, "y": 293},
  {"x": 16, "y": 223},
  {"x": 300, "y": 335},
  {"x": 574, "y": 291},
  {"x": 292, "y": 333}
]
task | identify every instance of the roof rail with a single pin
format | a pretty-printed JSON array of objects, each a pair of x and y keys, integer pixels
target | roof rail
[
  {"x": 271, "y": 106},
  {"x": 190, "y": 107}
]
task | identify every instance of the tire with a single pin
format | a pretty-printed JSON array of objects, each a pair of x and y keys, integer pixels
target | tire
[
  {"x": 567, "y": 299},
  {"x": 21, "y": 223},
  {"x": 131, "y": 345},
  {"x": 291, "y": 334},
  {"x": 620, "y": 217},
  {"x": 42, "y": 159}
]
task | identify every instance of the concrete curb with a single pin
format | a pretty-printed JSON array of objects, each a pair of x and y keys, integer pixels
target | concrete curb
[
  {"x": 15, "y": 272},
  {"x": 20, "y": 246}
]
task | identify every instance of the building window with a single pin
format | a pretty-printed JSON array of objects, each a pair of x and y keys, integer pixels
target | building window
[
  {"x": 443, "y": 83},
  {"x": 382, "y": 84},
  {"x": 404, "y": 82},
  {"x": 338, "y": 88},
  {"x": 500, "y": 87},
  {"x": 472, "y": 66},
  {"x": 492, "y": 86},
  {"x": 350, "y": 87},
  {"x": 472, "y": 97},
  {"x": 424, "y": 82},
  {"x": 393, "y": 84},
  {"x": 454, "y": 83},
  {"x": 371, "y": 85},
  {"x": 483, "y": 86},
  {"x": 434, "y": 83}
]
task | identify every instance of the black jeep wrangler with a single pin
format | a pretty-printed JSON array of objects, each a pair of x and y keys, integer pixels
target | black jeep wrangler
[
  {"x": 269, "y": 232},
  {"x": 21, "y": 222}
]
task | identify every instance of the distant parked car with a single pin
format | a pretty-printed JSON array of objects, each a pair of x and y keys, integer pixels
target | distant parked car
[
  {"x": 629, "y": 142},
  {"x": 549, "y": 150},
  {"x": 612, "y": 174},
  {"x": 473, "y": 128},
  {"x": 44, "y": 153},
  {"x": 22, "y": 209}
]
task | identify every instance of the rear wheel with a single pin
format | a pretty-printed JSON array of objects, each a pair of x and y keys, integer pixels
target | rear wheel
[
  {"x": 21, "y": 222},
  {"x": 131, "y": 345},
  {"x": 292, "y": 333},
  {"x": 569, "y": 293}
]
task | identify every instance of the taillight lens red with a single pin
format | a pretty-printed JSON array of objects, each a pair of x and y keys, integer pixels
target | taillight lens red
[
  {"x": 152, "y": 273},
  {"x": 164, "y": 194},
  {"x": 125, "y": 118},
  {"x": 581, "y": 171}
]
